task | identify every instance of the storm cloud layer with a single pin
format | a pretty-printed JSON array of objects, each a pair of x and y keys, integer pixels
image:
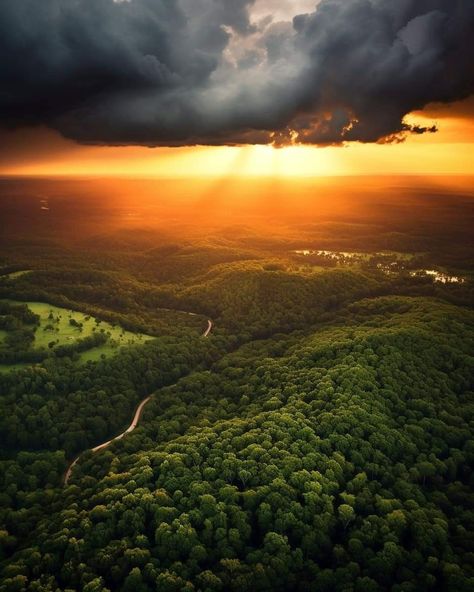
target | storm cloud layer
[{"x": 178, "y": 72}]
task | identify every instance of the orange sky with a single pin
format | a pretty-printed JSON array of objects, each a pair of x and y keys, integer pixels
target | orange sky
[{"x": 450, "y": 151}]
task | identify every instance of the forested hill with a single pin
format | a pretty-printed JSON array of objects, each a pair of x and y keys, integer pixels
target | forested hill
[
  {"x": 246, "y": 299},
  {"x": 332, "y": 459}
]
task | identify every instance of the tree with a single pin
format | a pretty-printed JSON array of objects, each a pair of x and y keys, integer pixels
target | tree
[
  {"x": 134, "y": 582},
  {"x": 346, "y": 514}
]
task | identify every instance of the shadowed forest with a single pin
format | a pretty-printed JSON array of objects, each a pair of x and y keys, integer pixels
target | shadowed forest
[{"x": 319, "y": 438}]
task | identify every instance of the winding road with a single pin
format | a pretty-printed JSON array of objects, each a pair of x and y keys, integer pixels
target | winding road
[
  {"x": 208, "y": 330},
  {"x": 131, "y": 427}
]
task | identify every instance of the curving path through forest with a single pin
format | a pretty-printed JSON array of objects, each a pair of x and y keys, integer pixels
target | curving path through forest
[
  {"x": 209, "y": 329},
  {"x": 131, "y": 427}
]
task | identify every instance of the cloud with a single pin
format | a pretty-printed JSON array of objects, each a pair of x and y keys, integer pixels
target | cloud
[{"x": 161, "y": 72}]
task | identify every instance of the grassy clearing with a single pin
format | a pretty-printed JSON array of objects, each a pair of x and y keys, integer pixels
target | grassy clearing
[
  {"x": 60, "y": 326},
  {"x": 111, "y": 347},
  {"x": 4, "y": 368},
  {"x": 16, "y": 274},
  {"x": 55, "y": 325}
]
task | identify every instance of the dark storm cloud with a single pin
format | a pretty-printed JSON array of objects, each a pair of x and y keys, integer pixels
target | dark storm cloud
[
  {"x": 172, "y": 72},
  {"x": 372, "y": 62}
]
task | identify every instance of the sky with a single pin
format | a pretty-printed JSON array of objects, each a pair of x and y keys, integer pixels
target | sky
[{"x": 236, "y": 87}]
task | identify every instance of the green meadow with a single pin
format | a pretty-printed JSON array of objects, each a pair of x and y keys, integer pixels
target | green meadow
[{"x": 61, "y": 327}]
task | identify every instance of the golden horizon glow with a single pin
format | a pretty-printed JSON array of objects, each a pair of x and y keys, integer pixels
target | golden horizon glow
[{"x": 449, "y": 152}]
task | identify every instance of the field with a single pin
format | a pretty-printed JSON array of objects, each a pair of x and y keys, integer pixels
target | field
[
  {"x": 16, "y": 274},
  {"x": 60, "y": 326}
]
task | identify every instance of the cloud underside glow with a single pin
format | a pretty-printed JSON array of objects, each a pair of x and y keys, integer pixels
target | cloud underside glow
[{"x": 160, "y": 73}]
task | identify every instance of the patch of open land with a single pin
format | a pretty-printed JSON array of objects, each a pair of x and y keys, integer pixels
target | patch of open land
[{"x": 62, "y": 327}]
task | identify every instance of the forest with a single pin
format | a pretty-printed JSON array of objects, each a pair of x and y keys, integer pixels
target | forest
[{"x": 320, "y": 438}]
